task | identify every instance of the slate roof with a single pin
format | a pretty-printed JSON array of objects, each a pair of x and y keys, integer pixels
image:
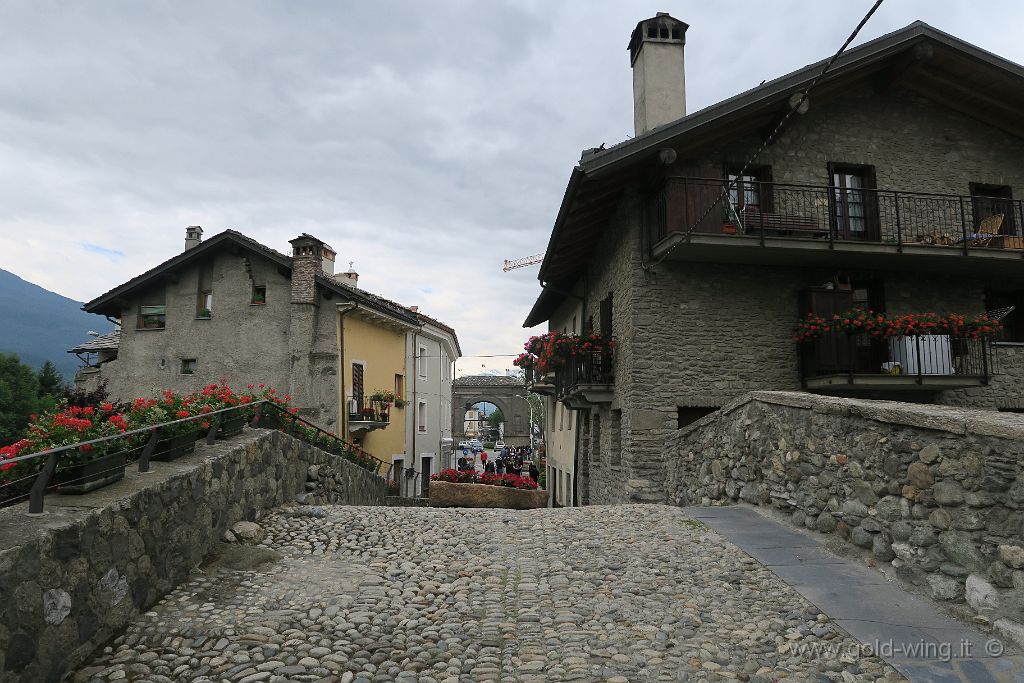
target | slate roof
[
  {"x": 489, "y": 380},
  {"x": 104, "y": 342},
  {"x": 107, "y": 303}
]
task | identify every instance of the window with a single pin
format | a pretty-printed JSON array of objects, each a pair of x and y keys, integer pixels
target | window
[
  {"x": 615, "y": 437},
  {"x": 421, "y": 416},
  {"x": 259, "y": 295},
  {"x": 421, "y": 362},
  {"x": 606, "y": 315},
  {"x": 399, "y": 386},
  {"x": 854, "y": 213},
  {"x": 357, "y": 386},
  {"x": 205, "y": 304},
  {"x": 188, "y": 366},
  {"x": 595, "y": 438},
  {"x": 152, "y": 317},
  {"x": 686, "y": 415},
  {"x": 1013, "y": 324},
  {"x": 748, "y": 191},
  {"x": 993, "y": 209}
]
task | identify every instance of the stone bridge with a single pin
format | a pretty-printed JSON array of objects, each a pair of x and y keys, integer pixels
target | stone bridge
[{"x": 320, "y": 581}]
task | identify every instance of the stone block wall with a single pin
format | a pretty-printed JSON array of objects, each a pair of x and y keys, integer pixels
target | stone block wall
[
  {"x": 74, "y": 577},
  {"x": 937, "y": 491}
]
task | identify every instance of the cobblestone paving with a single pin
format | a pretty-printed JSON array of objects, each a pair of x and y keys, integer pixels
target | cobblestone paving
[{"x": 625, "y": 593}]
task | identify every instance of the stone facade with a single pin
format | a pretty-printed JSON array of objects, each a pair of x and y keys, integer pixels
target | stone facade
[
  {"x": 935, "y": 490},
  {"x": 698, "y": 335},
  {"x": 72, "y": 578},
  {"x": 291, "y": 346}
]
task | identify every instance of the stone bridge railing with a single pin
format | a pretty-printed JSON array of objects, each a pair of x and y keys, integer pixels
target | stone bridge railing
[
  {"x": 937, "y": 491},
  {"x": 73, "y": 577}
]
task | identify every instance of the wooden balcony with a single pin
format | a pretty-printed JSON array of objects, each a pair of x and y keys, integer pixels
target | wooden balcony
[{"x": 586, "y": 382}]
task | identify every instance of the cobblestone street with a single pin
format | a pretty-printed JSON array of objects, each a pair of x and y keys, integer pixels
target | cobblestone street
[{"x": 626, "y": 593}]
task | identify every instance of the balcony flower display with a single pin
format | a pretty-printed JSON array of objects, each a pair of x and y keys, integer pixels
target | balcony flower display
[
  {"x": 878, "y": 325},
  {"x": 548, "y": 352}
]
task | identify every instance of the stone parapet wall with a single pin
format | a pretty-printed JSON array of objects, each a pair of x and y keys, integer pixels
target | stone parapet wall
[
  {"x": 70, "y": 579},
  {"x": 935, "y": 490}
]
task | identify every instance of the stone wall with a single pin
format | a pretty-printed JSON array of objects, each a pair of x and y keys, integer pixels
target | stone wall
[
  {"x": 935, "y": 490},
  {"x": 70, "y": 579}
]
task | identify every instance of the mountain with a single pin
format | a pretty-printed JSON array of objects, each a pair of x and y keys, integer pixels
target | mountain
[{"x": 40, "y": 325}]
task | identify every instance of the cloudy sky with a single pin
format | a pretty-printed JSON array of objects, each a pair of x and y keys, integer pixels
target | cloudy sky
[{"x": 425, "y": 140}]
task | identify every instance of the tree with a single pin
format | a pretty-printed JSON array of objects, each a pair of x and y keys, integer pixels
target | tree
[
  {"x": 495, "y": 419},
  {"x": 51, "y": 382},
  {"x": 19, "y": 397}
]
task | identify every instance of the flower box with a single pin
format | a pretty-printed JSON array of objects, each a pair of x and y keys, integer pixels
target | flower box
[
  {"x": 92, "y": 474},
  {"x": 231, "y": 424},
  {"x": 450, "y": 494},
  {"x": 173, "y": 447}
]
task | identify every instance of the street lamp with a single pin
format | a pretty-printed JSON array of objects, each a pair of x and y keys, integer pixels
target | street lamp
[{"x": 531, "y": 419}]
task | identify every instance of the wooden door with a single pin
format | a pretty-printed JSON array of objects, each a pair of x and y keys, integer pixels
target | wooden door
[{"x": 993, "y": 200}]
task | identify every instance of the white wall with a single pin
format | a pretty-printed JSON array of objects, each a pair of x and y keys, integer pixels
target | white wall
[
  {"x": 430, "y": 353},
  {"x": 560, "y": 431}
]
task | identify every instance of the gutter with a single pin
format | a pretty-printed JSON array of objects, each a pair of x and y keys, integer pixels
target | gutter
[{"x": 343, "y": 309}]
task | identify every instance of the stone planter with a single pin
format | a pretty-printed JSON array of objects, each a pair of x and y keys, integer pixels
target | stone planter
[
  {"x": 231, "y": 424},
  {"x": 91, "y": 474},
  {"x": 173, "y": 447},
  {"x": 448, "y": 494}
]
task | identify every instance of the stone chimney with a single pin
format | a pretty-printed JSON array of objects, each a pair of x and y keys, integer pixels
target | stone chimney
[
  {"x": 349, "y": 278},
  {"x": 193, "y": 236},
  {"x": 659, "y": 83},
  {"x": 307, "y": 263}
]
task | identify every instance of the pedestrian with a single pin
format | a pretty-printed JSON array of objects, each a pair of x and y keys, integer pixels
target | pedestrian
[
  {"x": 462, "y": 463},
  {"x": 483, "y": 458},
  {"x": 499, "y": 466},
  {"x": 489, "y": 468},
  {"x": 534, "y": 472}
]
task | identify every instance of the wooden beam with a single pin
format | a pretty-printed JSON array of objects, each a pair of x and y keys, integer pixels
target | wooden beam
[
  {"x": 902, "y": 67},
  {"x": 967, "y": 100}
]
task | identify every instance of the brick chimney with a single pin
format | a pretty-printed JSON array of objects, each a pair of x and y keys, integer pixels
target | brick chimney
[
  {"x": 193, "y": 236},
  {"x": 307, "y": 263},
  {"x": 659, "y": 83}
]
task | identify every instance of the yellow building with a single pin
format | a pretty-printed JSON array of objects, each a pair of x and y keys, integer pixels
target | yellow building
[{"x": 372, "y": 352}]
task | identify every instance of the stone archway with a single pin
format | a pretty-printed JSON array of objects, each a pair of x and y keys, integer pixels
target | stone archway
[{"x": 500, "y": 391}]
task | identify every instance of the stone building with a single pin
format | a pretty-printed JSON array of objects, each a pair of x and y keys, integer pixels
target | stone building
[
  {"x": 229, "y": 308},
  {"x": 700, "y": 243}
]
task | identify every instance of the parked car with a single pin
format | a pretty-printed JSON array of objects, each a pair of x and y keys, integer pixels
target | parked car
[
  {"x": 499, "y": 445},
  {"x": 463, "y": 445}
]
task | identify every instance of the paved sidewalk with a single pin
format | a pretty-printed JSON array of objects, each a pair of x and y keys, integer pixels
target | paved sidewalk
[{"x": 906, "y": 631}]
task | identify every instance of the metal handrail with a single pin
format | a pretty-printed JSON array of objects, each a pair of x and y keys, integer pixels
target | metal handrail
[
  {"x": 52, "y": 455},
  {"x": 320, "y": 431}
]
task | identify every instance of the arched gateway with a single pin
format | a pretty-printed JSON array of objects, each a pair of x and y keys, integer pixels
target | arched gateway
[{"x": 504, "y": 392}]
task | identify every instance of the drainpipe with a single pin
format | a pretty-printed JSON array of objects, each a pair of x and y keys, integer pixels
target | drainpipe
[
  {"x": 343, "y": 309},
  {"x": 415, "y": 403}
]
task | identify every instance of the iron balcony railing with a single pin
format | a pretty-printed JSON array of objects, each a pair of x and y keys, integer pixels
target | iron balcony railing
[
  {"x": 362, "y": 409},
  {"x": 918, "y": 357},
  {"x": 592, "y": 367},
  {"x": 695, "y": 206},
  {"x": 142, "y": 445}
]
